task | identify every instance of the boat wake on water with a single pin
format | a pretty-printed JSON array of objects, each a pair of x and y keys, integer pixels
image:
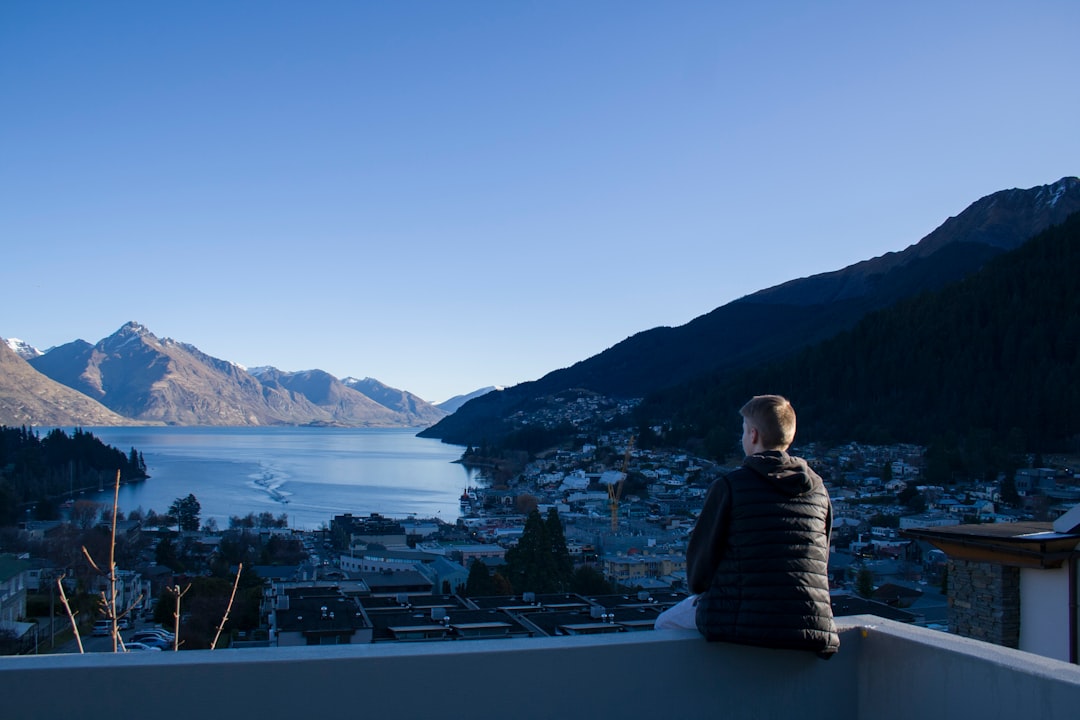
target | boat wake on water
[{"x": 270, "y": 481}]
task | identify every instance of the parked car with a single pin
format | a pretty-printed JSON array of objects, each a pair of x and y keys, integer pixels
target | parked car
[
  {"x": 138, "y": 646},
  {"x": 102, "y": 627},
  {"x": 152, "y": 640},
  {"x": 156, "y": 631}
]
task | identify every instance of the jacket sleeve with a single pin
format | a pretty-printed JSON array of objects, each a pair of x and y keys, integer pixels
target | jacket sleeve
[
  {"x": 828, "y": 525},
  {"x": 707, "y": 541}
]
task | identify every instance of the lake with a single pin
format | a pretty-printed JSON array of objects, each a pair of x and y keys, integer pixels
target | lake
[{"x": 310, "y": 474}]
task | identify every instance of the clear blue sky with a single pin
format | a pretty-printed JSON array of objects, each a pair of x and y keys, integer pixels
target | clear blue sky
[{"x": 448, "y": 195}]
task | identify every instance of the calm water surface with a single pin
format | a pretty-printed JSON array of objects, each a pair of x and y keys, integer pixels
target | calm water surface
[{"x": 311, "y": 474}]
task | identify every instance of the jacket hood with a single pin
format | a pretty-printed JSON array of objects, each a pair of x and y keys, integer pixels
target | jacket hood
[{"x": 789, "y": 474}]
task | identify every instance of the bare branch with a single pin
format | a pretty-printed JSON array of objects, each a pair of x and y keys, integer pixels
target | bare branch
[
  {"x": 130, "y": 607},
  {"x": 112, "y": 563},
  {"x": 86, "y": 554},
  {"x": 109, "y": 600},
  {"x": 176, "y": 614},
  {"x": 228, "y": 607},
  {"x": 71, "y": 615}
]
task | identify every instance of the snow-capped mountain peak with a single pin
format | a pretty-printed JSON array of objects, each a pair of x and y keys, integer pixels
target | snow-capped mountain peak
[{"x": 22, "y": 348}]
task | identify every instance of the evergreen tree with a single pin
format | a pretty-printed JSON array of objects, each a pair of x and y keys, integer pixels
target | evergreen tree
[
  {"x": 864, "y": 582},
  {"x": 528, "y": 564},
  {"x": 540, "y": 562},
  {"x": 185, "y": 511},
  {"x": 1009, "y": 494},
  {"x": 479, "y": 583},
  {"x": 587, "y": 580},
  {"x": 563, "y": 565},
  {"x": 165, "y": 554}
]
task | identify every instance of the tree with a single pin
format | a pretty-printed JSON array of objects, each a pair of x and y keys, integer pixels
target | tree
[
  {"x": 1009, "y": 494},
  {"x": 912, "y": 499},
  {"x": 185, "y": 511},
  {"x": 588, "y": 580},
  {"x": 479, "y": 583},
  {"x": 864, "y": 582},
  {"x": 564, "y": 566},
  {"x": 165, "y": 554},
  {"x": 525, "y": 503},
  {"x": 502, "y": 585},
  {"x": 540, "y": 562},
  {"x": 85, "y": 513}
]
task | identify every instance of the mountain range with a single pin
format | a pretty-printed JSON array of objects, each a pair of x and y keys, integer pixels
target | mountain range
[
  {"x": 134, "y": 377},
  {"x": 774, "y": 323}
]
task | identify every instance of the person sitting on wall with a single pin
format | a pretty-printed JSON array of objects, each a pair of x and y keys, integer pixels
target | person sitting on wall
[{"x": 758, "y": 558}]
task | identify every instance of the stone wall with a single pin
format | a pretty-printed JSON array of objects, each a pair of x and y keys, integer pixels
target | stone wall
[{"x": 984, "y": 601}]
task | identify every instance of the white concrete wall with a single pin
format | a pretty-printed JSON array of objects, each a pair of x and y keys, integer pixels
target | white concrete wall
[
  {"x": 1044, "y": 612},
  {"x": 884, "y": 671}
]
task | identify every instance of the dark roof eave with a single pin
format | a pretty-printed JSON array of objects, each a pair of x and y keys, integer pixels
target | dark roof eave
[{"x": 965, "y": 542}]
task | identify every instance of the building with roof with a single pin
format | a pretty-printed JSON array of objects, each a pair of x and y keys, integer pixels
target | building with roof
[
  {"x": 396, "y": 559},
  {"x": 318, "y": 616},
  {"x": 633, "y": 568},
  {"x": 393, "y": 583},
  {"x": 366, "y": 530},
  {"x": 411, "y": 618},
  {"x": 14, "y": 575},
  {"x": 1014, "y": 584},
  {"x": 445, "y": 575}
]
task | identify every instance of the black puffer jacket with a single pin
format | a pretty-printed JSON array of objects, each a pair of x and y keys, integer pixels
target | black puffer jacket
[{"x": 759, "y": 557}]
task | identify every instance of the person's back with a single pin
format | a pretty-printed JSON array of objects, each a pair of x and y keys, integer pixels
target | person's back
[
  {"x": 758, "y": 557},
  {"x": 770, "y": 584}
]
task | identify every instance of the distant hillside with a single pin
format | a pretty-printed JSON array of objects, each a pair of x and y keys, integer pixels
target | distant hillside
[
  {"x": 29, "y": 398},
  {"x": 987, "y": 366},
  {"x": 451, "y": 405},
  {"x": 808, "y": 310},
  {"x": 417, "y": 412},
  {"x": 332, "y": 401}
]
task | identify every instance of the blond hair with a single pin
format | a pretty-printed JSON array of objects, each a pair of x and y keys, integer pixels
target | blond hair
[{"x": 774, "y": 419}]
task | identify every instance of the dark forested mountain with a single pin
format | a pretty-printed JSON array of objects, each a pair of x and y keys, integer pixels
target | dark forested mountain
[
  {"x": 809, "y": 310},
  {"x": 28, "y": 397},
  {"x": 159, "y": 380},
  {"x": 987, "y": 365}
]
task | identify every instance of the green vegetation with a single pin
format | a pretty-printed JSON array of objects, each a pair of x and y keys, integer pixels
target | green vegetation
[
  {"x": 203, "y": 605},
  {"x": 864, "y": 582},
  {"x": 37, "y": 473},
  {"x": 185, "y": 512},
  {"x": 540, "y": 562}
]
